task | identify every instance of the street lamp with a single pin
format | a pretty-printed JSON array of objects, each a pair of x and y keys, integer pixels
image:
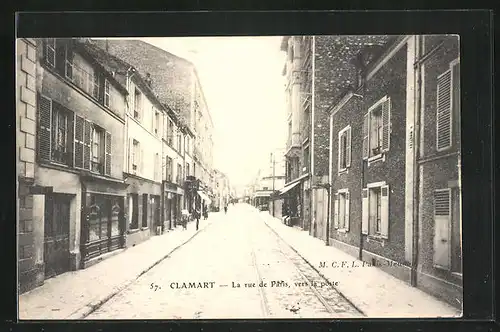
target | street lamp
[{"x": 326, "y": 186}]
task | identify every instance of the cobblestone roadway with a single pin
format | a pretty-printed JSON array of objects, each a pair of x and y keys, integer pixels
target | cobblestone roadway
[{"x": 238, "y": 249}]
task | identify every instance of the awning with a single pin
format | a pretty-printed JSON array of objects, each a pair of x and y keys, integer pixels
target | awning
[
  {"x": 204, "y": 197},
  {"x": 288, "y": 188},
  {"x": 263, "y": 193}
]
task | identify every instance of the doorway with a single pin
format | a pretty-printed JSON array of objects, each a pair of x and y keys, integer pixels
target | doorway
[{"x": 56, "y": 234}]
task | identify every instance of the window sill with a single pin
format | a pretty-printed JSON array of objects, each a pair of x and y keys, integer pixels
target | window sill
[
  {"x": 144, "y": 228},
  {"x": 343, "y": 171},
  {"x": 377, "y": 238},
  {"x": 342, "y": 230},
  {"x": 457, "y": 275},
  {"x": 374, "y": 159},
  {"x": 132, "y": 231}
]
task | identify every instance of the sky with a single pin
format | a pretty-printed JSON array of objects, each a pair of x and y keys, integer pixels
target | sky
[{"x": 242, "y": 82}]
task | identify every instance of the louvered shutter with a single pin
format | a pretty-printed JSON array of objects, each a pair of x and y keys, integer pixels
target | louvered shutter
[
  {"x": 443, "y": 126},
  {"x": 442, "y": 229},
  {"x": 384, "y": 205},
  {"x": 366, "y": 123},
  {"x": 79, "y": 137},
  {"x": 348, "y": 148},
  {"x": 340, "y": 152},
  {"x": 87, "y": 141},
  {"x": 336, "y": 211},
  {"x": 107, "y": 154},
  {"x": 346, "y": 211},
  {"x": 386, "y": 125},
  {"x": 45, "y": 128},
  {"x": 70, "y": 141},
  {"x": 365, "y": 211}
]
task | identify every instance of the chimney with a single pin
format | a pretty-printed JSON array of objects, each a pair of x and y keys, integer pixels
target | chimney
[{"x": 148, "y": 79}]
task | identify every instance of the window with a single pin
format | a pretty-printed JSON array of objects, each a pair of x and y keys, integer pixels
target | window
[
  {"x": 137, "y": 104},
  {"x": 145, "y": 203},
  {"x": 156, "y": 122},
  {"x": 133, "y": 208},
  {"x": 50, "y": 51},
  {"x": 107, "y": 95},
  {"x": 55, "y": 132},
  {"x": 95, "y": 86},
  {"x": 341, "y": 210},
  {"x": 135, "y": 152},
  {"x": 170, "y": 169},
  {"x": 188, "y": 171},
  {"x": 179, "y": 173},
  {"x": 265, "y": 188},
  {"x": 448, "y": 103},
  {"x": 69, "y": 62},
  {"x": 375, "y": 210},
  {"x": 376, "y": 129},
  {"x": 170, "y": 135},
  {"x": 179, "y": 142},
  {"x": 97, "y": 150},
  {"x": 344, "y": 150}
]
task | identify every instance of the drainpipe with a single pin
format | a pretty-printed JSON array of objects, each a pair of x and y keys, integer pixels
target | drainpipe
[
  {"x": 416, "y": 151},
  {"x": 363, "y": 161}
]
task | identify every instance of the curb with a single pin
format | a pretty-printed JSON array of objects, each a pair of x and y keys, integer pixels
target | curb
[
  {"x": 314, "y": 268},
  {"x": 88, "y": 309}
]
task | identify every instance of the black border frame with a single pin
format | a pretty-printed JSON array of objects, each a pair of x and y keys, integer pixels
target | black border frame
[{"x": 476, "y": 32}]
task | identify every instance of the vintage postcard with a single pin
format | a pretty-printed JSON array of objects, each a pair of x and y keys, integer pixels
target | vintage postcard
[{"x": 239, "y": 177}]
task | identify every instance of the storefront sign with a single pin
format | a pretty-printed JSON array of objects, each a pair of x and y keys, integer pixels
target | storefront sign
[{"x": 41, "y": 190}]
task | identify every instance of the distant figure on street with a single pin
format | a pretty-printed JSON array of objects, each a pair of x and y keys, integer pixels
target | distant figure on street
[
  {"x": 205, "y": 212},
  {"x": 197, "y": 216},
  {"x": 225, "y": 208}
]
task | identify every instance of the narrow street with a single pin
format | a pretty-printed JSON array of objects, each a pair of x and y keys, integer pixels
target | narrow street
[{"x": 217, "y": 276}]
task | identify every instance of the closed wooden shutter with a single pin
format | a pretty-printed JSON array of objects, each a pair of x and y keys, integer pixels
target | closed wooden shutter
[
  {"x": 384, "y": 215},
  {"x": 444, "y": 118},
  {"x": 130, "y": 155},
  {"x": 365, "y": 211},
  {"x": 141, "y": 161},
  {"x": 70, "y": 140},
  {"x": 386, "y": 125},
  {"x": 336, "y": 211},
  {"x": 347, "y": 212},
  {"x": 341, "y": 152},
  {"x": 348, "y": 148},
  {"x": 87, "y": 141},
  {"x": 442, "y": 229},
  {"x": 44, "y": 128},
  {"x": 107, "y": 156},
  {"x": 79, "y": 134},
  {"x": 366, "y": 123}
]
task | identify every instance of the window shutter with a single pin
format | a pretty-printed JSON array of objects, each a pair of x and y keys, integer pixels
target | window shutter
[
  {"x": 45, "y": 127},
  {"x": 130, "y": 154},
  {"x": 107, "y": 156},
  {"x": 86, "y": 144},
  {"x": 366, "y": 142},
  {"x": 442, "y": 229},
  {"x": 346, "y": 213},
  {"x": 364, "y": 213},
  {"x": 336, "y": 211},
  {"x": 348, "y": 148},
  {"x": 386, "y": 125},
  {"x": 444, "y": 118},
  {"x": 340, "y": 153},
  {"x": 384, "y": 204},
  {"x": 141, "y": 161},
  {"x": 79, "y": 134}
]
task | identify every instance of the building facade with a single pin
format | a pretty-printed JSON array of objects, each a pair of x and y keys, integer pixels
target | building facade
[
  {"x": 394, "y": 151},
  {"x": 79, "y": 130},
  {"x": 177, "y": 87}
]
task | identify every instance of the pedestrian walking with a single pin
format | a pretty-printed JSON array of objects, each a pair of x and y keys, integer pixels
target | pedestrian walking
[
  {"x": 205, "y": 212},
  {"x": 197, "y": 216},
  {"x": 225, "y": 208}
]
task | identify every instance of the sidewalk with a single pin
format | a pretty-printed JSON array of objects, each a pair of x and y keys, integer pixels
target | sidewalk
[
  {"x": 75, "y": 294},
  {"x": 376, "y": 293}
]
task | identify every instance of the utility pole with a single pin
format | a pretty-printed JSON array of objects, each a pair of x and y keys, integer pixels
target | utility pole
[{"x": 274, "y": 166}]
